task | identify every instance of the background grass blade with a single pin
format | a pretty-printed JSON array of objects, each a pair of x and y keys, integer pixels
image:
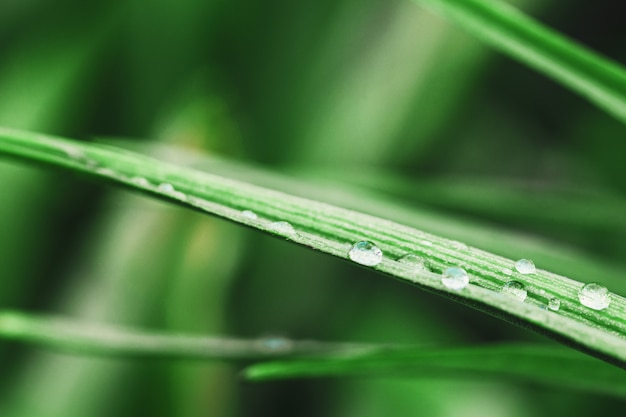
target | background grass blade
[
  {"x": 101, "y": 340},
  {"x": 332, "y": 230},
  {"x": 552, "y": 366},
  {"x": 600, "y": 80},
  {"x": 312, "y": 359}
]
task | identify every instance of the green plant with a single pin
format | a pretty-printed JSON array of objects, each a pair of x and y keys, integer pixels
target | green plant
[{"x": 167, "y": 257}]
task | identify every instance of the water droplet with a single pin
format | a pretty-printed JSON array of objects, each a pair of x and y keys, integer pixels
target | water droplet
[
  {"x": 167, "y": 188},
  {"x": 458, "y": 245},
  {"x": 74, "y": 153},
  {"x": 366, "y": 253},
  {"x": 249, "y": 214},
  {"x": 78, "y": 155},
  {"x": 594, "y": 296},
  {"x": 281, "y": 228},
  {"x": 106, "y": 172},
  {"x": 140, "y": 181},
  {"x": 414, "y": 262},
  {"x": 554, "y": 304},
  {"x": 542, "y": 291},
  {"x": 427, "y": 243},
  {"x": 525, "y": 266},
  {"x": 274, "y": 344},
  {"x": 515, "y": 289},
  {"x": 455, "y": 278},
  {"x": 507, "y": 272}
]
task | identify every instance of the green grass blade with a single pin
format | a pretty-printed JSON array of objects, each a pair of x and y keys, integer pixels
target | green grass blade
[
  {"x": 552, "y": 366},
  {"x": 599, "y": 79},
  {"x": 333, "y": 230},
  {"x": 105, "y": 340},
  {"x": 311, "y": 359}
]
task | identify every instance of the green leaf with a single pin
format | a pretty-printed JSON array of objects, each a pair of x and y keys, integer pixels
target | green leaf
[
  {"x": 552, "y": 366},
  {"x": 333, "y": 230},
  {"x": 599, "y": 79}
]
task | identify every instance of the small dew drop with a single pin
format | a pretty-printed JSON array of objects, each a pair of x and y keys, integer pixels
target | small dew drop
[
  {"x": 455, "y": 278},
  {"x": 554, "y": 304},
  {"x": 458, "y": 245},
  {"x": 427, "y": 243},
  {"x": 366, "y": 253},
  {"x": 140, "y": 181},
  {"x": 594, "y": 296},
  {"x": 414, "y": 262},
  {"x": 274, "y": 344},
  {"x": 515, "y": 289},
  {"x": 249, "y": 214},
  {"x": 79, "y": 156},
  {"x": 74, "y": 153},
  {"x": 525, "y": 266},
  {"x": 507, "y": 272},
  {"x": 281, "y": 228},
  {"x": 106, "y": 172},
  {"x": 166, "y": 188}
]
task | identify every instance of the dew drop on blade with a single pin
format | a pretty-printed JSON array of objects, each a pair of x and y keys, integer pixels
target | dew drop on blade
[
  {"x": 366, "y": 253},
  {"x": 455, "y": 278},
  {"x": 507, "y": 272},
  {"x": 414, "y": 262},
  {"x": 140, "y": 181},
  {"x": 458, "y": 245},
  {"x": 515, "y": 289},
  {"x": 281, "y": 228},
  {"x": 106, "y": 172},
  {"x": 249, "y": 214},
  {"x": 554, "y": 304},
  {"x": 525, "y": 266},
  {"x": 274, "y": 344},
  {"x": 594, "y": 296},
  {"x": 166, "y": 187}
]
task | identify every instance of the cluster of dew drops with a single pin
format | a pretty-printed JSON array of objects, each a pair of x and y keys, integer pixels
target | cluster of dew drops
[{"x": 592, "y": 295}]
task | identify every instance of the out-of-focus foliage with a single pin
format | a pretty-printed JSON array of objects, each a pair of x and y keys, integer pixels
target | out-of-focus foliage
[{"x": 382, "y": 95}]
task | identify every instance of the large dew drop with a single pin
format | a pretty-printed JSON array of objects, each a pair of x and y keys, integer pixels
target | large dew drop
[
  {"x": 525, "y": 266},
  {"x": 455, "y": 278},
  {"x": 366, "y": 253},
  {"x": 594, "y": 296},
  {"x": 515, "y": 289}
]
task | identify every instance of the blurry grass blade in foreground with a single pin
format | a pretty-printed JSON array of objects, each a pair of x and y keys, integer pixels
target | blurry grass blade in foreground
[
  {"x": 333, "y": 230},
  {"x": 101, "y": 340},
  {"x": 533, "y": 363},
  {"x": 540, "y": 364},
  {"x": 599, "y": 79}
]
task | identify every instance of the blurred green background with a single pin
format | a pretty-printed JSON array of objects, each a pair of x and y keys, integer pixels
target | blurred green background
[{"x": 374, "y": 98}]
